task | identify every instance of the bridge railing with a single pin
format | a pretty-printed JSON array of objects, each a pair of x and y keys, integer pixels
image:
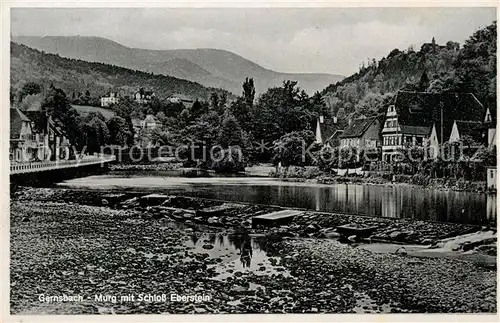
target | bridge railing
[{"x": 59, "y": 164}]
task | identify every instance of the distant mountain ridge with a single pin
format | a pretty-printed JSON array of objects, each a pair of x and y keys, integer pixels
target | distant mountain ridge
[
  {"x": 77, "y": 76},
  {"x": 209, "y": 67}
]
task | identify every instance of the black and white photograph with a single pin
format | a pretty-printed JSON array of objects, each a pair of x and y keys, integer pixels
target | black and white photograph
[{"x": 250, "y": 160}]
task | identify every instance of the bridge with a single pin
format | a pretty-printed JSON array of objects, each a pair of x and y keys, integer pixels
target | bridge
[{"x": 42, "y": 166}]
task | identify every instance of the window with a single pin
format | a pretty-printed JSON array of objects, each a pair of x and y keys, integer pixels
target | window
[{"x": 491, "y": 173}]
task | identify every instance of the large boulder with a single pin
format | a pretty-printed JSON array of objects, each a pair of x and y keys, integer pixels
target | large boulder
[
  {"x": 213, "y": 220},
  {"x": 153, "y": 199}
]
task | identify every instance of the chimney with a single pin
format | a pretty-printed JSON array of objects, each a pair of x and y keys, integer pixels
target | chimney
[
  {"x": 335, "y": 119},
  {"x": 321, "y": 119}
]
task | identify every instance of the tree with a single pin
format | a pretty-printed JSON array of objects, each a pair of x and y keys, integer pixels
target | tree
[
  {"x": 476, "y": 65},
  {"x": 161, "y": 116},
  {"x": 214, "y": 101},
  {"x": 230, "y": 133},
  {"x": 29, "y": 88},
  {"x": 223, "y": 101},
  {"x": 241, "y": 111},
  {"x": 156, "y": 105},
  {"x": 318, "y": 105},
  {"x": 184, "y": 116},
  {"x": 119, "y": 131},
  {"x": 230, "y": 160},
  {"x": 423, "y": 83},
  {"x": 100, "y": 132},
  {"x": 127, "y": 109},
  {"x": 249, "y": 92},
  {"x": 373, "y": 103},
  {"x": 291, "y": 148},
  {"x": 197, "y": 109},
  {"x": 58, "y": 106},
  {"x": 173, "y": 109},
  {"x": 12, "y": 95},
  {"x": 32, "y": 102},
  {"x": 281, "y": 110}
]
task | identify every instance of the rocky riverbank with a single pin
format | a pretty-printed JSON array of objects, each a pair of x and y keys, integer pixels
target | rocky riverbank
[
  {"x": 313, "y": 175},
  {"x": 198, "y": 211},
  {"x": 68, "y": 248}
]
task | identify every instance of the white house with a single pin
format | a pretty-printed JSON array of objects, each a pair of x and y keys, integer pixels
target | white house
[
  {"x": 142, "y": 97},
  {"x": 490, "y": 121},
  {"x": 491, "y": 180},
  {"x": 150, "y": 123},
  {"x": 426, "y": 120},
  {"x": 111, "y": 98}
]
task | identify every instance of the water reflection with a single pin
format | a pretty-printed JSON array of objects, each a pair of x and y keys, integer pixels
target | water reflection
[
  {"x": 246, "y": 253},
  {"x": 394, "y": 201},
  {"x": 241, "y": 247}
]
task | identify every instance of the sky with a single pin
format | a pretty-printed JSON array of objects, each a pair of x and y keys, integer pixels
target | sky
[{"x": 319, "y": 40}]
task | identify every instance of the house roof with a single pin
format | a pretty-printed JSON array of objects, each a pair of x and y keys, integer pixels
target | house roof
[
  {"x": 327, "y": 128},
  {"x": 493, "y": 113},
  {"x": 57, "y": 126},
  {"x": 181, "y": 97},
  {"x": 422, "y": 109},
  {"x": 335, "y": 137},
  {"x": 150, "y": 118},
  {"x": 358, "y": 127},
  {"x": 472, "y": 129},
  {"x": 16, "y": 122},
  {"x": 39, "y": 119}
]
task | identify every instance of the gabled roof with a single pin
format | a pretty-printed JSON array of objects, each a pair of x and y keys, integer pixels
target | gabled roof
[
  {"x": 39, "y": 119},
  {"x": 493, "y": 113},
  {"x": 422, "y": 109},
  {"x": 150, "y": 118},
  {"x": 358, "y": 127},
  {"x": 327, "y": 128},
  {"x": 57, "y": 126},
  {"x": 335, "y": 137},
  {"x": 16, "y": 122},
  {"x": 472, "y": 129}
]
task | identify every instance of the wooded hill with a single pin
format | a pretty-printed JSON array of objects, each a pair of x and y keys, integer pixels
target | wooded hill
[
  {"x": 73, "y": 75},
  {"x": 433, "y": 68},
  {"x": 208, "y": 66}
]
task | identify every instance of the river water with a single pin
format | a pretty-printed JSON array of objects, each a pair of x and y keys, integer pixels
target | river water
[{"x": 394, "y": 201}]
